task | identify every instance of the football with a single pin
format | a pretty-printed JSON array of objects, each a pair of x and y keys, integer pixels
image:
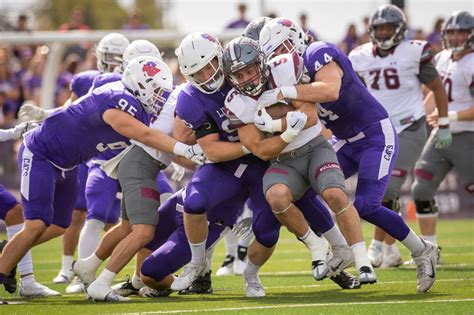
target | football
[{"x": 279, "y": 110}]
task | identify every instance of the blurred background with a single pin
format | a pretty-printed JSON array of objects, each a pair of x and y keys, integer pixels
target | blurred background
[{"x": 43, "y": 43}]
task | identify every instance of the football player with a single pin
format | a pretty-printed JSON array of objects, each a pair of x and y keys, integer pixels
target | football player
[
  {"x": 364, "y": 138},
  {"x": 455, "y": 64},
  {"x": 393, "y": 70}
]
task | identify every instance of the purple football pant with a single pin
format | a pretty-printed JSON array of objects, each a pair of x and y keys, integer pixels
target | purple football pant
[
  {"x": 101, "y": 196},
  {"x": 82, "y": 170},
  {"x": 47, "y": 193},
  {"x": 163, "y": 183},
  {"x": 373, "y": 158},
  {"x": 7, "y": 202}
]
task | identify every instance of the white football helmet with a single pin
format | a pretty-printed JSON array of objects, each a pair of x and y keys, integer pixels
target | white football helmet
[
  {"x": 283, "y": 31},
  {"x": 150, "y": 80},
  {"x": 138, "y": 48},
  {"x": 195, "y": 52},
  {"x": 109, "y": 52}
]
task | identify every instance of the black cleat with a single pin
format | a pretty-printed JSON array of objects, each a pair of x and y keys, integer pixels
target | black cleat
[
  {"x": 10, "y": 282},
  {"x": 202, "y": 285},
  {"x": 346, "y": 281}
]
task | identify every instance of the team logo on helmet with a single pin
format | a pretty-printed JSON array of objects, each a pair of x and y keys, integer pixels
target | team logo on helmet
[
  {"x": 285, "y": 22},
  {"x": 151, "y": 69},
  {"x": 209, "y": 37}
]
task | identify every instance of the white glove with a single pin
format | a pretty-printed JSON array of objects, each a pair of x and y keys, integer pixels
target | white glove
[
  {"x": 178, "y": 172},
  {"x": 268, "y": 98},
  {"x": 193, "y": 153},
  {"x": 295, "y": 122},
  {"x": 265, "y": 122},
  {"x": 22, "y": 128},
  {"x": 29, "y": 111},
  {"x": 243, "y": 228}
]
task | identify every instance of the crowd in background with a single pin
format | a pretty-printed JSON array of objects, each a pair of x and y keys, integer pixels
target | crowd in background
[{"x": 21, "y": 66}]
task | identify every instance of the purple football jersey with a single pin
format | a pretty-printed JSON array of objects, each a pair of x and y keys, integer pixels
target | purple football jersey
[
  {"x": 82, "y": 82},
  {"x": 105, "y": 78},
  {"x": 77, "y": 133},
  {"x": 356, "y": 108},
  {"x": 197, "y": 109}
]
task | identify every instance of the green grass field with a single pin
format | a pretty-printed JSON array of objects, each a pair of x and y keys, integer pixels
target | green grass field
[{"x": 289, "y": 286}]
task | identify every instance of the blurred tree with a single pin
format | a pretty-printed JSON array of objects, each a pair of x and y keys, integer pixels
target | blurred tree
[{"x": 151, "y": 13}]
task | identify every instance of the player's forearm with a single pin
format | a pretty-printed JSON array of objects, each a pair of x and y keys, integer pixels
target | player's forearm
[
  {"x": 221, "y": 151},
  {"x": 440, "y": 96},
  {"x": 6, "y": 134},
  {"x": 318, "y": 92},
  {"x": 463, "y": 115},
  {"x": 158, "y": 140},
  {"x": 255, "y": 142}
]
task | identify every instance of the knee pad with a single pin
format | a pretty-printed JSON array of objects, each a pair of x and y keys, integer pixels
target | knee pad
[
  {"x": 195, "y": 204},
  {"x": 426, "y": 208},
  {"x": 393, "y": 205},
  {"x": 267, "y": 238}
]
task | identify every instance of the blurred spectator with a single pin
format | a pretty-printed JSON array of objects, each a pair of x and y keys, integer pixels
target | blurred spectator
[
  {"x": 419, "y": 34},
  {"x": 242, "y": 21},
  {"x": 306, "y": 29},
  {"x": 434, "y": 38},
  {"x": 32, "y": 78},
  {"x": 272, "y": 15},
  {"x": 90, "y": 61},
  {"x": 22, "y": 24},
  {"x": 69, "y": 68},
  {"x": 350, "y": 40},
  {"x": 9, "y": 84},
  {"x": 365, "y": 37},
  {"x": 76, "y": 21},
  {"x": 134, "y": 22}
]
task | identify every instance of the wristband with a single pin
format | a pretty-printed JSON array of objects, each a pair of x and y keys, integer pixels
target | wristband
[
  {"x": 453, "y": 115},
  {"x": 276, "y": 126},
  {"x": 443, "y": 121},
  {"x": 289, "y": 91},
  {"x": 180, "y": 149},
  {"x": 288, "y": 136},
  {"x": 245, "y": 150}
]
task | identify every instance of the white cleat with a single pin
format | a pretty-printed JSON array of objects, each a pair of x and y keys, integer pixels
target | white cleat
[
  {"x": 367, "y": 275},
  {"x": 426, "y": 267},
  {"x": 239, "y": 266},
  {"x": 341, "y": 257},
  {"x": 37, "y": 290},
  {"x": 103, "y": 293},
  {"x": 76, "y": 286},
  {"x": 253, "y": 286},
  {"x": 319, "y": 269},
  {"x": 391, "y": 256},
  {"x": 154, "y": 293},
  {"x": 64, "y": 277},
  {"x": 84, "y": 271},
  {"x": 227, "y": 267},
  {"x": 375, "y": 254},
  {"x": 126, "y": 288},
  {"x": 189, "y": 274}
]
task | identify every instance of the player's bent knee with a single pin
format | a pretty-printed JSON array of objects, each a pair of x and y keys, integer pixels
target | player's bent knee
[
  {"x": 393, "y": 205},
  {"x": 426, "y": 208},
  {"x": 195, "y": 204},
  {"x": 268, "y": 238},
  {"x": 278, "y": 196},
  {"x": 363, "y": 206},
  {"x": 336, "y": 198},
  {"x": 143, "y": 233}
]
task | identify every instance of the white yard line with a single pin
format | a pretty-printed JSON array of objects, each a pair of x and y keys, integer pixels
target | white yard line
[{"x": 249, "y": 308}]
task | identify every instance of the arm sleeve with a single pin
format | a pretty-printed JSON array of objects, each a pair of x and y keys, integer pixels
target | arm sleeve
[{"x": 428, "y": 72}]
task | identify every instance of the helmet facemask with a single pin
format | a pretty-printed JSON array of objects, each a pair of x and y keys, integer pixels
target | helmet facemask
[
  {"x": 393, "y": 40},
  {"x": 215, "y": 81},
  {"x": 109, "y": 62},
  {"x": 451, "y": 40},
  {"x": 254, "y": 85}
]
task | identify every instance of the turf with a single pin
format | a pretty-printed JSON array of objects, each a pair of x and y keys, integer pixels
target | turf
[{"x": 289, "y": 286}]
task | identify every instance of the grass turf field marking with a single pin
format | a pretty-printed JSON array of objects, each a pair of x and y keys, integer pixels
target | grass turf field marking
[{"x": 249, "y": 308}]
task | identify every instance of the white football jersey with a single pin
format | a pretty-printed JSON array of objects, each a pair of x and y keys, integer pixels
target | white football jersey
[
  {"x": 164, "y": 123},
  {"x": 458, "y": 78},
  {"x": 284, "y": 70},
  {"x": 393, "y": 80}
]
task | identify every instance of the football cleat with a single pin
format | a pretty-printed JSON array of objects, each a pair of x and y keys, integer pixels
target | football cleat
[
  {"x": 426, "y": 267},
  {"x": 76, "y": 286},
  {"x": 189, "y": 274},
  {"x": 341, "y": 258},
  {"x": 36, "y": 290},
  {"x": 103, "y": 293},
  {"x": 63, "y": 277},
  {"x": 253, "y": 286},
  {"x": 320, "y": 269},
  {"x": 391, "y": 256},
  {"x": 239, "y": 266},
  {"x": 125, "y": 288},
  {"x": 367, "y": 275},
  {"x": 85, "y": 272},
  {"x": 10, "y": 281},
  {"x": 227, "y": 267},
  {"x": 375, "y": 254},
  {"x": 346, "y": 281},
  {"x": 202, "y": 285},
  {"x": 154, "y": 293}
]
